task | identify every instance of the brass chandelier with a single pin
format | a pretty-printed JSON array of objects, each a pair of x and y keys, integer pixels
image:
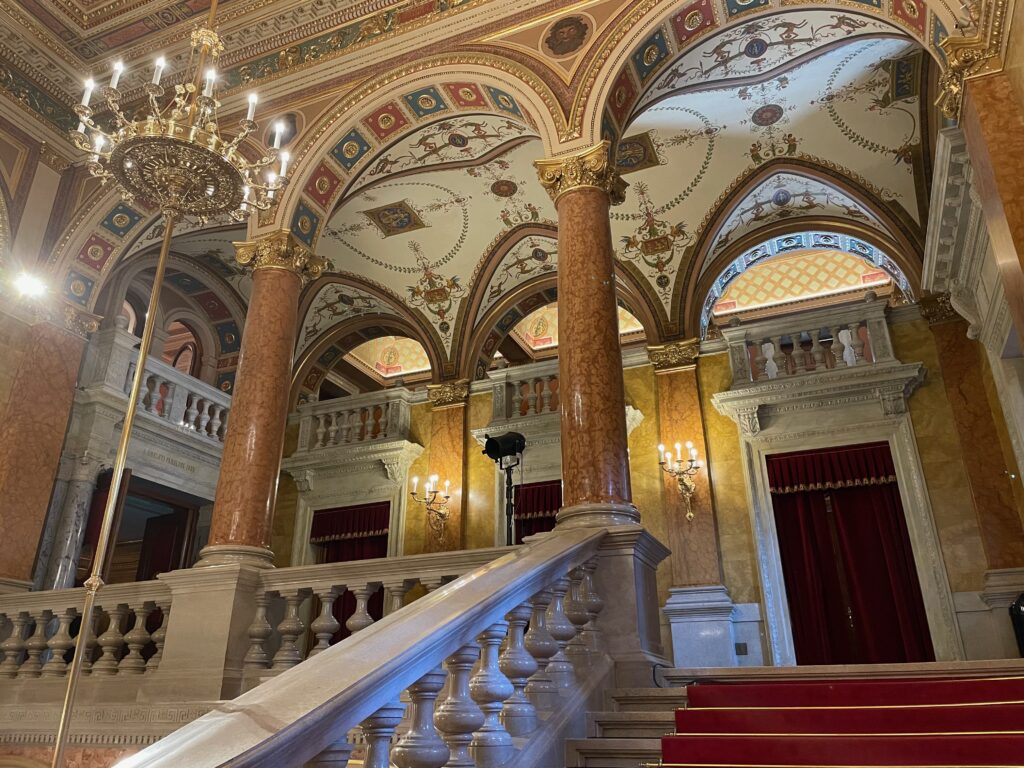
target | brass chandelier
[{"x": 171, "y": 154}]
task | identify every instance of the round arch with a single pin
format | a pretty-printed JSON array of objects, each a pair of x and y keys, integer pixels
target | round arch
[
  {"x": 654, "y": 35},
  {"x": 368, "y": 327},
  {"x": 338, "y": 146},
  {"x": 209, "y": 346}
]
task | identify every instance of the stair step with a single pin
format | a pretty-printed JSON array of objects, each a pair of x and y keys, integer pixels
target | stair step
[
  {"x": 611, "y": 753},
  {"x": 645, "y": 699},
  {"x": 625, "y": 725}
]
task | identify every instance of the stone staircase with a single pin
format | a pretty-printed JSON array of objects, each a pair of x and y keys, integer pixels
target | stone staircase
[{"x": 628, "y": 731}]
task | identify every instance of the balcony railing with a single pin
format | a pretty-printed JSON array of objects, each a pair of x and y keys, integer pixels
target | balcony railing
[
  {"x": 525, "y": 390},
  {"x": 828, "y": 339},
  {"x": 375, "y": 416}
]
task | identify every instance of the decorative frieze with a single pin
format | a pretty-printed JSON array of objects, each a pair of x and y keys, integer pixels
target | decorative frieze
[
  {"x": 448, "y": 393},
  {"x": 679, "y": 355}
]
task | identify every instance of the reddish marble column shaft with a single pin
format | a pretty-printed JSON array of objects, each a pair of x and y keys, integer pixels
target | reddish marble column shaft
[
  {"x": 35, "y": 419},
  {"x": 694, "y": 543},
  {"x": 251, "y": 463},
  {"x": 595, "y": 466},
  {"x": 991, "y": 489},
  {"x": 993, "y": 123}
]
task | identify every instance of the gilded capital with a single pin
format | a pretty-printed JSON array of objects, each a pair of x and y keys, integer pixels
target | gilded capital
[
  {"x": 449, "y": 393},
  {"x": 280, "y": 250},
  {"x": 590, "y": 168},
  {"x": 971, "y": 55},
  {"x": 937, "y": 308},
  {"x": 679, "y": 355}
]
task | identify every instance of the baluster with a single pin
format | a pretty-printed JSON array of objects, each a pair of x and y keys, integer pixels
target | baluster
[
  {"x": 332, "y": 430},
  {"x": 335, "y": 756},
  {"x": 394, "y": 596},
  {"x": 594, "y": 604},
  {"x": 856, "y": 342},
  {"x": 204, "y": 416},
  {"x": 90, "y": 643},
  {"x": 165, "y": 397},
  {"x": 778, "y": 356},
  {"x": 430, "y": 583},
  {"x": 545, "y": 402},
  {"x": 35, "y": 645},
  {"x": 837, "y": 349},
  {"x": 519, "y": 715},
  {"x": 422, "y": 747},
  {"x": 799, "y": 357},
  {"x": 360, "y": 618},
  {"x": 559, "y": 669},
  {"x": 458, "y": 716},
  {"x": 760, "y": 372},
  {"x": 191, "y": 410},
  {"x": 531, "y": 397},
  {"x": 159, "y": 636},
  {"x": 492, "y": 745},
  {"x": 136, "y": 639},
  {"x": 152, "y": 393},
  {"x": 344, "y": 426},
  {"x": 259, "y": 632},
  {"x": 291, "y": 626},
  {"x": 110, "y": 641},
  {"x": 576, "y": 611},
  {"x": 14, "y": 645},
  {"x": 817, "y": 351},
  {"x": 382, "y": 422},
  {"x": 223, "y": 425},
  {"x": 542, "y": 646},
  {"x": 378, "y": 729},
  {"x": 321, "y": 430},
  {"x": 215, "y": 421},
  {"x": 517, "y": 399},
  {"x": 59, "y": 645},
  {"x": 325, "y": 625}
]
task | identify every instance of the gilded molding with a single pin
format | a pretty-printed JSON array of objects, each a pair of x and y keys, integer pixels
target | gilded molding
[
  {"x": 937, "y": 308},
  {"x": 590, "y": 168},
  {"x": 49, "y": 157},
  {"x": 972, "y": 55},
  {"x": 679, "y": 355},
  {"x": 280, "y": 250},
  {"x": 448, "y": 393}
]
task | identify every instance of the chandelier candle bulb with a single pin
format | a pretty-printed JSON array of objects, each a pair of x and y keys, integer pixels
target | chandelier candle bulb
[
  {"x": 252, "y": 106},
  {"x": 158, "y": 72},
  {"x": 285, "y": 158},
  {"x": 415, "y": 482},
  {"x": 211, "y": 78},
  {"x": 90, "y": 84},
  {"x": 278, "y": 133},
  {"x": 115, "y": 78}
]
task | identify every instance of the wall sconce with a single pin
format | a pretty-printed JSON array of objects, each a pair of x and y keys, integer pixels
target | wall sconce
[
  {"x": 682, "y": 471},
  {"x": 435, "y": 502}
]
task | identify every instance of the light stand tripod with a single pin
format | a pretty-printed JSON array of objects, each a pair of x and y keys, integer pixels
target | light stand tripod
[{"x": 507, "y": 466}]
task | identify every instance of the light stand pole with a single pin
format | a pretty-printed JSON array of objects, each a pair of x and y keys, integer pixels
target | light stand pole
[{"x": 509, "y": 498}]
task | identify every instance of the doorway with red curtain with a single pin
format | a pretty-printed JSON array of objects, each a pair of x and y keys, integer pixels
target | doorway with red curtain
[
  {"x": 536, "y": 507},
  {"x": 851, "y": 583},
  {"x": 346, "y": 534}
]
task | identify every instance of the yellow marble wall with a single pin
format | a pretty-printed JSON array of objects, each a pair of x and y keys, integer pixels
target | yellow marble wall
[
  {"x": 480, "y": 478},
  {"x": 1002, "y": 432},
  {"x": 419, "y": 432},
  {"x": 942, "y": 461},
  {"x": 732, "y": 505},
  {"x": 282, "y": 531}
]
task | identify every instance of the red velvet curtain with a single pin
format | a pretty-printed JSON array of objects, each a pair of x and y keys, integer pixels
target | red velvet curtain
[
  {"x": 851, "y": 583},
  {"x": 352, "y": 533},
  {"x": 536, "y": 507}
]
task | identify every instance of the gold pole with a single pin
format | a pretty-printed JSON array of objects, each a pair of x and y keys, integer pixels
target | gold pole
[{"x": 95, "y": 580}]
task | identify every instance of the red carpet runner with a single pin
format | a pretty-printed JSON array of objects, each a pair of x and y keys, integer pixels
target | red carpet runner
[{"x": 851, "y": 723}]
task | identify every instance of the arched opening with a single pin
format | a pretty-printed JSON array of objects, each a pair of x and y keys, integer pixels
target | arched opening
[{"x": 182, "y": 349}]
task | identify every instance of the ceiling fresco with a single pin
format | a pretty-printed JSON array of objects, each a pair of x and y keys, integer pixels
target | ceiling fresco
[
  {"x": 852, "y": 111},
  {"x": 798, "y": 277},
  {"x": 531, "y": 257},
  {"x": 390, "y": 357},
  {"x": 538, "y": 331},
  {"x": 334, "y": 304}
]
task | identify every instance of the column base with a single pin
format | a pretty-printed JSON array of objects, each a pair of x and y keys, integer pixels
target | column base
[
  {"x": 701, "y": 622},
  {"x": 235, "y": 554},
  {"x": 597, "y": 515}
]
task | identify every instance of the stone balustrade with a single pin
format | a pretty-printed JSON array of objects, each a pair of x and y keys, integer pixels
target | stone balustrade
[
  {"x": 833, "y": 338},
  {"x": 38, "y": 631},
  {"x": 453, "y": 679},
  {"x": 525, "y": 390},
  {"x": 359, "y": 419}
]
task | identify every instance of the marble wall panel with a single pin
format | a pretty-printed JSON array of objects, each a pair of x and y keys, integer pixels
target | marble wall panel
[
  {"x": 990, "y": 487},
  {"x": 31, "y": 439},
  {"x": 481, "y": 479},
  {"x": 447, "y": 460},
  {"x": 1003, "y": 433},
  {"x": 419, "y": 432},
  {"x": 939, "y": 448},
  {"x": 731, "y": 502}
]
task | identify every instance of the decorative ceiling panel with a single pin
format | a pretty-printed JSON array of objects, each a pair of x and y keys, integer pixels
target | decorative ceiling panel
[
  {"x": 390, "y": 357},
  {"x": 334, "y": 304},
  {"x": 538, "y": 331}
]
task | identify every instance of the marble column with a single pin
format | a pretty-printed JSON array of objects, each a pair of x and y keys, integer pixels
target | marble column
[
  {"x": 595, "y": 465},
  {"x": 447, "y": 460},
  {"x": 35, "y": 418},
  {"x": 251, "y": 462},
  {"x": 699, "y": 609},
  {"x": 74, "y": 516},
  {"x": 992, "y": 119}
]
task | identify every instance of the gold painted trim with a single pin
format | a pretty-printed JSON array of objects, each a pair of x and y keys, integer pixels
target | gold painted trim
[
  {"x": 448, "y": 394},
  {"x": 677, "y": 356},
  {"x": 590, "y": 168}
]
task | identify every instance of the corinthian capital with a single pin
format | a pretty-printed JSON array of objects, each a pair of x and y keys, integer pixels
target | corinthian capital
[
  {"x": 280, "y": 250},
  {"x": 589, "y": 168}
]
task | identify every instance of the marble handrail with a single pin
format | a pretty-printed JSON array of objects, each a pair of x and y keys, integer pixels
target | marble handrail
[
  {"x": 306, "y": 712},
  {"x": 38, "y": 631}
]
